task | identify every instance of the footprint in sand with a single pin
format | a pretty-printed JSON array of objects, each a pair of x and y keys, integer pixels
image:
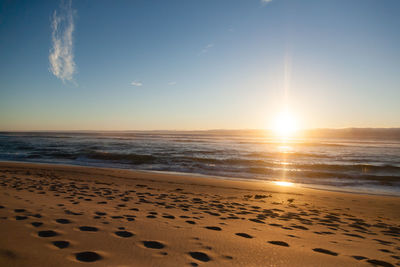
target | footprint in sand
[
  {"x": 87, "y": 256},
  {"x": 61, "y": 244},
  {"x": 8, "y": 254},
  {"x": 200, "y": 256},
  {"x": 257, "y": 221},
  {"x": 37, "y": 224},
  {"x": 19, "y": 210},
  {"x": 244, "y": 235},
  {"x": 279, "y": 243},
  {"x": 153, "y": 244},
  {"x": 325, "y": 251},
  {"x": 354, "y": 235},
  {"x": 385, "y": 250},
  {"x": 380, "y": 263},
  {"x": 215, "y": 228},
  {"x": 275, "y": 224},
  {"x": 20, "y": 218},
  {"x": 125, "y": 234},
  {"x": 191, "y": 222},
  {"x": 359, "y": 257},
  {"x": 63, "y": 221},
  {"x": 47, "y": 233},
  {"x": 88, "y": 229}
]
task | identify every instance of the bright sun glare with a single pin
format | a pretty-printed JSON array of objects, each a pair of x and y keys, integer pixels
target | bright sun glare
[
  {"x": 285, "y": 124},
  {"x": 283, "y": 183}
]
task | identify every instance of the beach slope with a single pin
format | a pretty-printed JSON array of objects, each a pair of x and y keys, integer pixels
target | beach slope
[{"x": 56, "y": 215}]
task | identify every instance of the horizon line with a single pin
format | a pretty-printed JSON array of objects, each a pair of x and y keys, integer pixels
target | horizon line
[{"x": 204, "y": 130}]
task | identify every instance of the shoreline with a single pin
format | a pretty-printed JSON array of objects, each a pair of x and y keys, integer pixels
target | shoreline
[
  {"x": 51, "y": 214},
  {"x": 329, "y": 188}
]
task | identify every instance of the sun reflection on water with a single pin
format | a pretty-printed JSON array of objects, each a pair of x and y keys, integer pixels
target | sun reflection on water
[{"x": 283, "y": 183}]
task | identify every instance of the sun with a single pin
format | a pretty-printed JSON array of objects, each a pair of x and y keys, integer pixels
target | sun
[{"x": 285, "y": 124}]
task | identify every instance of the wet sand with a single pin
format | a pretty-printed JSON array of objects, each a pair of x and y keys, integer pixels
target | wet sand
[{"x": 55, "y": 215}]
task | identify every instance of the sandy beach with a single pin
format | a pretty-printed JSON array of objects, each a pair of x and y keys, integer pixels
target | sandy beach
[
  {"x": 200, "y": 133},
  {"x": 56, "y": 215}
]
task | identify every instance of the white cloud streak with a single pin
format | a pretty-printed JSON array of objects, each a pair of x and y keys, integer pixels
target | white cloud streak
[
  {"x": 135, "y": 83},
  {"x": 61, "y": 55},
  {"x": 265, "y": 1},
  {"x": 171, "y": 83}
]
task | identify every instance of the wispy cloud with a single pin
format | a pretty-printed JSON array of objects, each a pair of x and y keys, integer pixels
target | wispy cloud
[
  {"x": 135, "y": 83},
  {"x": 171, "y": 83},
  {"x": 61, "y": 55},
  {"x": 265, "y": 1},
  {"x": 206, "y": 48}
]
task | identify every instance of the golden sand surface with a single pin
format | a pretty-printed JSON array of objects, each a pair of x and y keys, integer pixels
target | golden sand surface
[{"x": 57, "y": 215}]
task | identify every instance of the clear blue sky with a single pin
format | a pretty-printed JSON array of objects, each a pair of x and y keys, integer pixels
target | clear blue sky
[{"x": 198, "y": 64}]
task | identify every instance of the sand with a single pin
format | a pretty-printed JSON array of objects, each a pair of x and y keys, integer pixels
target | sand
[{"x": 56, "y": 215}]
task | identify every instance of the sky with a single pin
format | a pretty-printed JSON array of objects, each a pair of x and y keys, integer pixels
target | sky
[{"x": 198, "y": 64}]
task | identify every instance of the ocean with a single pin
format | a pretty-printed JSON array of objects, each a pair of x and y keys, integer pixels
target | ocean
[{"x": 362, "y": 165}]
